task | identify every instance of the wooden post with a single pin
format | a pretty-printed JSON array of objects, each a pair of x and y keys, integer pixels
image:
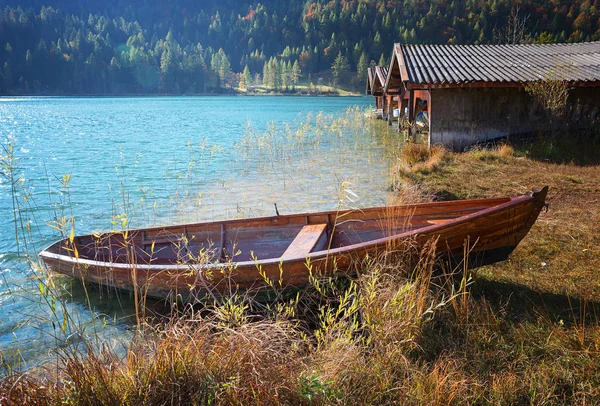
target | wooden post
[
  {"x": 429, "y": 117},
  {"x": 402, "y": 104},
  {"x": 390, "y": 109},
  {"x": 411, "y": 113}
]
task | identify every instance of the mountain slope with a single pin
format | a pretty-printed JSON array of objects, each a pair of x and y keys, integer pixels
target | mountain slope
[{"x": 154, "y": 46}]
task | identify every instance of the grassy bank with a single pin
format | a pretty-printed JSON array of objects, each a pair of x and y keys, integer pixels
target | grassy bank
[
  {"x": 523, "y": 331},
  {"x": 320, "y": 84},
  {"x": 561, "y": 255},
  {"x": 302, "y": 89}
]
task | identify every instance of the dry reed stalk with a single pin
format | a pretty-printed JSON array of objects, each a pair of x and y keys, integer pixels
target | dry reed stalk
[{"x": 22, "y": 389}]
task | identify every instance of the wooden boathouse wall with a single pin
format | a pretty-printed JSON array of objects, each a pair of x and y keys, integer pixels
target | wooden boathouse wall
[{"x": 464, "y": 116}]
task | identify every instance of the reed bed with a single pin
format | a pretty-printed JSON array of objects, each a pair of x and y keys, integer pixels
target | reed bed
[
  {"x": 402, "y": 329},
  {"x": 311, "y": 349},
  {"x": 312, "y": 155}
]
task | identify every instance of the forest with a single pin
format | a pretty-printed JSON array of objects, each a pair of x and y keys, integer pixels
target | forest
[{"x": 117, "y": 47}]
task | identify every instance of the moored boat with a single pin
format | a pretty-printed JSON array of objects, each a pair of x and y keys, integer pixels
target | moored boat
[{"x": 215, "y": 258}]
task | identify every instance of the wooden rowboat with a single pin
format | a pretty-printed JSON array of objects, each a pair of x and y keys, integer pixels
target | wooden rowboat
[{"x": 240, "y": 255}]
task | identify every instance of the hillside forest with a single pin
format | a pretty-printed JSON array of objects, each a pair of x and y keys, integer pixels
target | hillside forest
[{"x": 115, "y": 47}]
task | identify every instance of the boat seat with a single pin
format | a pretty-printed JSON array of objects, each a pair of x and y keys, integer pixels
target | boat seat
[
  {"x": 439, "y": 221},
  {"x": 306, "y": 240}
]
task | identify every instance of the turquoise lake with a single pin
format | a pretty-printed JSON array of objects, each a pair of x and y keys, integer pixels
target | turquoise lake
[{"x": 159, "y": 161}]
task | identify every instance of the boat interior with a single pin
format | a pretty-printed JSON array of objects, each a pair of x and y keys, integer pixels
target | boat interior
[{"x": 282, "y": 237}]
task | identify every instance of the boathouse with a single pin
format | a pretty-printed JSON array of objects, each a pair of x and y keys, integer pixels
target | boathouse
[
  {"x": 475, "y": 93},
  {"x": 375, "y": 82}
]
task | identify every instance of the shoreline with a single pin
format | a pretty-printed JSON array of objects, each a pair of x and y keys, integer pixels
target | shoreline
[{"x": 235, "y": 94}]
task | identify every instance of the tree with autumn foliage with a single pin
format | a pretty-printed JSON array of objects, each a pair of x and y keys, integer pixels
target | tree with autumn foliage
[{"x": 65, "y": 47}]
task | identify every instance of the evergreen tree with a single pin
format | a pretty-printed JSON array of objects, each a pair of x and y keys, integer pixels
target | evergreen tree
[
  {"x": 272, "y": 74},
  {"x": 221, "y": 67},
  {"x": 361, "y": 68},
  {"x": 276, "y": 73},
  {"x": 247, "y": 77},
  {"x": 224, "y": 66},
  {"x": 110, "y": 50},
  {"x": 28, "y": 59},
  {"x": 283, "y": 74},
  {"x": 266, "y": 75},
  {"x": 215, "y": 65},
  {"x": 296, "y": 73},
  {"x": 166, "y": 62},
  {"x": 7, "y": 77},
  {"x": 377, "y": 43},
  {"x": 339, "y": 68}
]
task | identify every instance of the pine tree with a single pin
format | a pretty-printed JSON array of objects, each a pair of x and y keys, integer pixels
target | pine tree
[
  {"x": 377, "y": 43},
  {"x": 247, "y": 77},
  {"x": 224, "y": 66},
  {"x": 215, "y": 65},
  {"x": 276, "y": 73},
  {"x": 166, "y": 62},
  {"x": 221, "y": 67},
  {"x": 272, "y": 74},
  {"x": 339, "y": 68},
  {"x": 266, "y": 75},
  {"x": 283, "y": 74},
  {"x": 296, "y": 73},
  {"x": 7, "y": 76},
  {"x": 361, "y": 68},
  {"x": 28, "y": 59}
]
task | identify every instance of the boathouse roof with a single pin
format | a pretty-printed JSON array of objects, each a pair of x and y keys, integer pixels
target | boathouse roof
[
  {"x": 381, "y": 73},
  {"x": 379, "y": 77},
  {"x": 433, "y": 66},
  {"x": 370, "y": 79}
]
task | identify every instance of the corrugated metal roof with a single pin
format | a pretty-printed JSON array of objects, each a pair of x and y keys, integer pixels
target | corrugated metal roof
[
  {"x": 370, "y": 78},
  {"x": 381, "y": 74},
  {"x": 462, "y": 64}
]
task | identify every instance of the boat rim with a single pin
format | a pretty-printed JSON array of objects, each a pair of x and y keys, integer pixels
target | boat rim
[{"x": 317, "y": 255}]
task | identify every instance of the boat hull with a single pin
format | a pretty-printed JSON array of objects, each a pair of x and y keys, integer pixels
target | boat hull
[{"x": 487, "y": 235}]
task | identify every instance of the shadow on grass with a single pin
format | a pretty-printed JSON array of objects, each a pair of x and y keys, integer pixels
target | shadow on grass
[
  {"x": 521, "y": 303},
  {"x": 577, "y": 147},
  {"x": 445, "y": 195}
]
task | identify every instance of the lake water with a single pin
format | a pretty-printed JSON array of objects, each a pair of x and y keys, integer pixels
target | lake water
[{"x": 160, "y": 161}]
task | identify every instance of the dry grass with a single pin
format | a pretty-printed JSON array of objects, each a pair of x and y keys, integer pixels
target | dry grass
[
  {"x": 360, "y": 350},
  {"x": 409, "y": 193},
  {"x": 413, "y": 153},
  {"x": 561, "y": 254},
  {"x": 192, "y": 361},
  {"x": 505, "y": 150},
  {"x": 416, "y": 158},
  {"x": 500, "y": 153},
  {"x": 420, "y": 158},
  {"x": 399, "y": 331},
  {"x": 23, "y": 389}
]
